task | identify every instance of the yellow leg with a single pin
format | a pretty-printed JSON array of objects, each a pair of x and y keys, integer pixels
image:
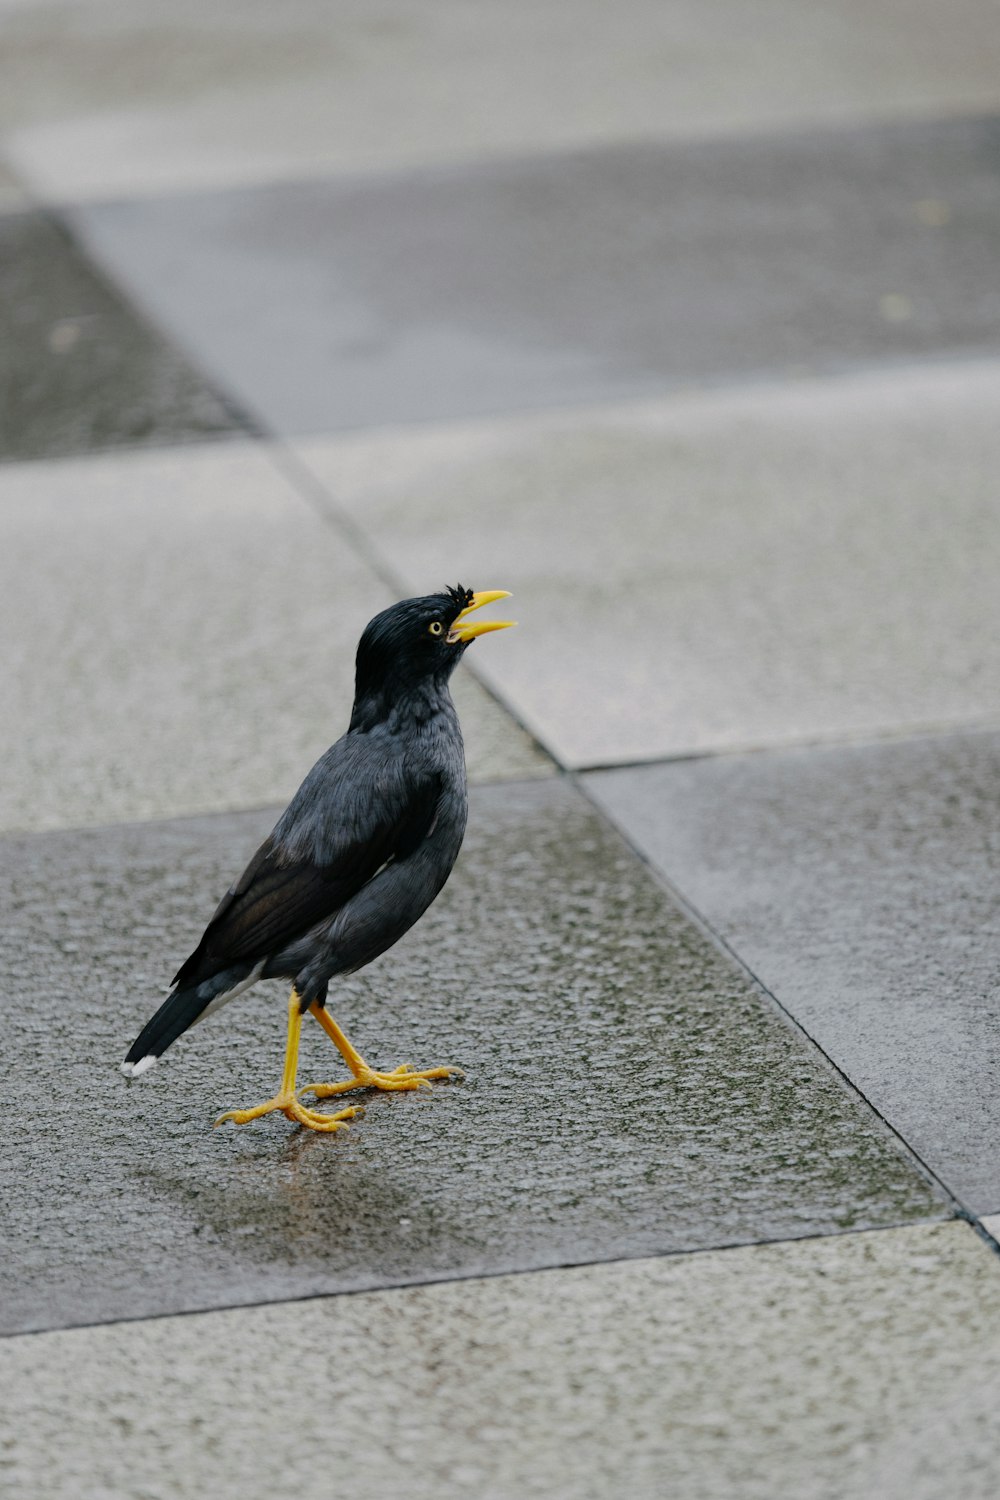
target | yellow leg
[
  {"x": 364, "y": 1077},
  {"x": 286, "y": 1099}
]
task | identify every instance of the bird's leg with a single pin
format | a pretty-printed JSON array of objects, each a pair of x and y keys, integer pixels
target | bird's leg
[
  {"x": 364, "y": 1077},
  {"x": 286, "y": 1099}
]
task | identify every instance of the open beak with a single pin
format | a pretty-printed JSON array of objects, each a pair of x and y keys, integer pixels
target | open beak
[{"x": 461, "y": 630}]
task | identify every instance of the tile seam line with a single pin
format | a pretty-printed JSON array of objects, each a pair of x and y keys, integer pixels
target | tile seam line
[
  {"x": 836, "y": 740},
  {"x": 475, "y": 1277},
  {"x": 958, "y": 1208}
]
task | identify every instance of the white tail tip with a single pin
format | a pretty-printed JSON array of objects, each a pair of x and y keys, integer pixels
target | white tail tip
[{"x": 133, "y": 1070}]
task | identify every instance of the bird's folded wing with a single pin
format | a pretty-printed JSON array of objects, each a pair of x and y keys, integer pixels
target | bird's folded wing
[{"x": 283, "y": 891}]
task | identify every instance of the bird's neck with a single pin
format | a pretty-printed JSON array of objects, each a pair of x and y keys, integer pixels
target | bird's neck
[{"x": 396, "y": 707}]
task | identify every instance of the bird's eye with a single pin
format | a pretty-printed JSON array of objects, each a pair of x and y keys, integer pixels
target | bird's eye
[{"x": 436, "y": 628}]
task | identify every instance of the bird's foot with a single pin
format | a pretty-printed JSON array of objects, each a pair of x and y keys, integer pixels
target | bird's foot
[
  {"x": 402, "y": 1078},
  {"x": 293, "y": 1109}
]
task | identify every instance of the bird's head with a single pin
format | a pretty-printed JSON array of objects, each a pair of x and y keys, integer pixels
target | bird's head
[{"x": 421, "y": 641}]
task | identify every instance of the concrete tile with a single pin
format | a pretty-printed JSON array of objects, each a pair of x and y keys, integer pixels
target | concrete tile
[
  {"x": 464, "y": 291},
  {"x": 861, "y": 885},
  {"x": 829, "y": 1370},
  {"x": 177, "y": 634},
  {"x": 78, "y": 370},
  {"x": 101, "y": 98},
  {"x": 626, "y": 1091},
  {"x": 496, "y": 747},
  {"x": 717, "y": 571}
]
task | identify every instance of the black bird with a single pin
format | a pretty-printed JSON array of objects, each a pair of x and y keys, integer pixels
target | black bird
[{"x": 362, "y": 849}]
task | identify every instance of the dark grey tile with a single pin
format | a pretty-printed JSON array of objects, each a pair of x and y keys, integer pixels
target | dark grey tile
[
  {"x": 627, "y": 1091},
  {"x": 576, "y": 276},
  {"x": 78, "y": 370},
  {"x": 862, "y": 886}
]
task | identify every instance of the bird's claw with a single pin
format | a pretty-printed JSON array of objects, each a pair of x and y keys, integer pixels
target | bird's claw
[
  {"x": 292, "y": 1109},
  {"x": 403, "y": 1079}
]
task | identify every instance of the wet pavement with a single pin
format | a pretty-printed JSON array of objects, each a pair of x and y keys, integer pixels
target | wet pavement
[
  {"x": 862, "y": 886},
  {"x": 691, "y": 340},
  {"x": 603, "y": 1113},
  {"x": 498, "y": 1386}
]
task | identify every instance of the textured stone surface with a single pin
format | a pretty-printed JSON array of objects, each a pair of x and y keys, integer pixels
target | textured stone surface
[
  {"x": 108, "y": 99},
  {"x": 461, "y": 291},
  {"x": 627, "y": 1092},
  {"x": 721, "y": 570},
  {"x": 177, "y": 634},
  {"x": 828, "y": 1370},
  {"x": 862, "y": 886},
  {"x": 78, "y": 370}
]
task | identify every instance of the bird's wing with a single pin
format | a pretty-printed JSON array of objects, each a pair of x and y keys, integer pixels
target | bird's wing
[{"x": 357, "y": 828}]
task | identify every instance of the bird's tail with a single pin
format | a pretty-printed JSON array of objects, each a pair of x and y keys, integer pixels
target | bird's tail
[{"x": 180, "y": 1010}]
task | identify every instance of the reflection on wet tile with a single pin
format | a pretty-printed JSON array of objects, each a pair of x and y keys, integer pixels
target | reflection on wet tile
[
  {"x": 862, "y": 886},
  {"x": 627, "y": 1092},
  {"x": 78, "y": 370}
]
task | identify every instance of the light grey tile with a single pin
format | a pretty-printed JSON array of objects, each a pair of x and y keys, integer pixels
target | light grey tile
[
  {"x": 12, "y": 193},
  {"x": 496, "y": 747},
  {"x": 627, "y": 1091},
  {"x": 471, "y": 290},
  {"x": 736, "y": 569},
  {"x": 101, "y": 98},
  {"x": 830, "y": 1370},
  {"x": 862, "y": 886},
  {"x": 178, "y": 634}
]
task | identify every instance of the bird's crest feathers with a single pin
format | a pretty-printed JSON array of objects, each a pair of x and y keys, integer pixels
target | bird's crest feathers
[{"x": 461, "y": 597}]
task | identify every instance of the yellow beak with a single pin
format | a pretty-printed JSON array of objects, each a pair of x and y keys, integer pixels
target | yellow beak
[{"x": 460, "y": 631}]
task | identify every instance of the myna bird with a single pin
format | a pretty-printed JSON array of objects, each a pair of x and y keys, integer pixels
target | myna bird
[{"x": 365, "y": 845}]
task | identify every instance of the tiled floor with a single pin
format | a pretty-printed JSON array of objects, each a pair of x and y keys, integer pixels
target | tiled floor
[
  {"x": 720, "y": 571},
  {"x": 862, "y": 886},
  {"x": 457, "y": 291},
  {"x": 179, "y": 632},
  {"x": 606, "y": 1110},
  {"x": 692, "y": 340},
  {"x": 863, "y": 1365}
]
